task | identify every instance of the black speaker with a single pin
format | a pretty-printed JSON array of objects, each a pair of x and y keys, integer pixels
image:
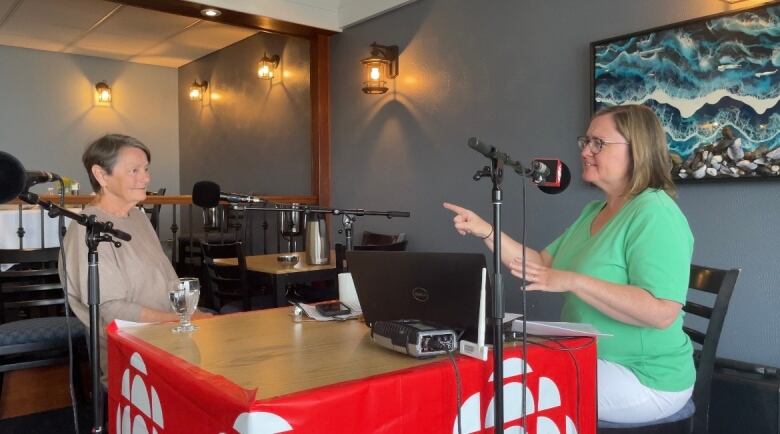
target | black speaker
[{"x": 745, "y": 399}]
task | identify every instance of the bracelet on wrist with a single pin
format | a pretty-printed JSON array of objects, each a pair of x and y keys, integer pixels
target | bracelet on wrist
[{"x": 489, "y": 233}]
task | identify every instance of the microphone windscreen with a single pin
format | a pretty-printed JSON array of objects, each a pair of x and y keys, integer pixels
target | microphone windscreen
[
  {"x": 564, "y": 182},
  {"x": 12, "y": 177},
  {"x": 480, "y": 147},
  {"x": 205, "y": 194}
]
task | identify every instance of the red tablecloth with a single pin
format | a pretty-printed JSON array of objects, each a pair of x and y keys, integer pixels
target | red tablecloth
[{"x": 150, "y": 391}]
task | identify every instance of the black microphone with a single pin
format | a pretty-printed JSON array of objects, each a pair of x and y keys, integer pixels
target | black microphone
[
  {"x": 12, "y": 177},
  {"x": 14, "y": 180},
  {"x": 206, "y": 194},
  {"x": 491, "y": 152},
  {"x": 38, "y": 177}
]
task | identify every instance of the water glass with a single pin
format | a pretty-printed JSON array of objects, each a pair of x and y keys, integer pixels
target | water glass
[{"x": 184, "y": 301}]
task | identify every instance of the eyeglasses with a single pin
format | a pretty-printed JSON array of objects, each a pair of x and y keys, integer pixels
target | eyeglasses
[{"x": 595, "y": 144}]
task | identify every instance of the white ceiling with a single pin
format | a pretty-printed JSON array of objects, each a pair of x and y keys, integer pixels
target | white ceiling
[
  {"x": 333, "y": 15},
  {"x": 104, "y": 29},
  {"x": 110, "y": 30}
]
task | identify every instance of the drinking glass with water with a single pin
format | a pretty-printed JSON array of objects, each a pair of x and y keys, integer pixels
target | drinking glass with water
[{"x": 184, "y": 301}]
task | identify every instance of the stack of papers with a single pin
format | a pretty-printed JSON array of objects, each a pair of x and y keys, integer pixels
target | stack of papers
[{"x": 545, "y": 328}]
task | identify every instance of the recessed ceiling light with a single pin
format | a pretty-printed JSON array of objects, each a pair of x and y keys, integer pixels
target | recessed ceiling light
[{"x": 210, "y": 12}]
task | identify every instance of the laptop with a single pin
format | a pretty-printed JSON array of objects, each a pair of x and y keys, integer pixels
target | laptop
[{"x": 441, "y": 288}]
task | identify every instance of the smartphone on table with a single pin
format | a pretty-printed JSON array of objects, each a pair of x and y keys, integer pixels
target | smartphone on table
[{"x": 333, "y": 308}]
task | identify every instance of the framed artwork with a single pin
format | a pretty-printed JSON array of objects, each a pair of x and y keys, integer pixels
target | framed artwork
[{"x": 715, "y": 84}]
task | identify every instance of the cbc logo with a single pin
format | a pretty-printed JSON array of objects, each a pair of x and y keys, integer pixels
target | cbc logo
[
  {"x": 549, "y": 398},
  {"x": 140, "y": 411}
]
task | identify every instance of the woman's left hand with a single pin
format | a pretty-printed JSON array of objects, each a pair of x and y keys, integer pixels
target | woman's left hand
[{"x": 541, "y": 278}]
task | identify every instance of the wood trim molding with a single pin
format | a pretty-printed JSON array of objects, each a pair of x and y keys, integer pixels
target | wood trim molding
[
  {"x": 320, "y": 125},
  {"x": 266, "y": 24}
]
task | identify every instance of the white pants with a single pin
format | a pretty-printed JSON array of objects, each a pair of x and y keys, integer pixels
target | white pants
[{"x": 623, "y": 399}]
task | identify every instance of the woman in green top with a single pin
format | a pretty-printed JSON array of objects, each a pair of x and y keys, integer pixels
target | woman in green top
[{"x": 622, "y": 266}]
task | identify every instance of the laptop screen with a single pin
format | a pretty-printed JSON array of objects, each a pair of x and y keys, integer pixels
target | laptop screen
[{"x": 441, "y": 288}]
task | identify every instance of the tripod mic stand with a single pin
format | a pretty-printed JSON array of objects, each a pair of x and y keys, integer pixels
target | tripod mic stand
[{"x": 97, "y": 232}]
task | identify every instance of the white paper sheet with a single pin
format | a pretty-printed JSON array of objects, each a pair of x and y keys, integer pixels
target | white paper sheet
[
  {"x": 122, "y": 324},
  {"x": 545, "y": 328}
]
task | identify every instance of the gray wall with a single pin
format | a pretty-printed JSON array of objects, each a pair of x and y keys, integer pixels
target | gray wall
[
  {"x": 515, "y": 74},
  {"x": 47, "y": 112},
  {"x": 253, "y": 135}
]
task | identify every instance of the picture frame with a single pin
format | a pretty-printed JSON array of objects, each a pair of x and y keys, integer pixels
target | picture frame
[{"x": 714, "y": 83}]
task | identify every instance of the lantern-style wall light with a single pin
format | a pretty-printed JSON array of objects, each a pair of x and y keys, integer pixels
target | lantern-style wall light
[
  {"x": 198, "y": 89},
  {"x": 381, "y": 66},
  {"x": 103, "y": 93},
  {"x": 266, "y": 66}
]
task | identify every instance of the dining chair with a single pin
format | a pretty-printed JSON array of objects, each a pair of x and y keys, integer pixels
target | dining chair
[
  {"x": 220, "y": 226},
  {"x": 34, "y": 330},
  {"x": 229, "y": 286},
  {"x": 153, "y": 211},
  {"x": 694, "y": 416}
]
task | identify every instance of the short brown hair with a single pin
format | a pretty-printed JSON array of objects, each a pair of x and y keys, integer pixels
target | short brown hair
[
  {"x": 651, "y": 165},
  {"x": 105, "y": 151}
]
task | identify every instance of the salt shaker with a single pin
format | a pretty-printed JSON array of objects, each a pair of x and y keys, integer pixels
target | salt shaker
[{"x": 297, "y": 313}]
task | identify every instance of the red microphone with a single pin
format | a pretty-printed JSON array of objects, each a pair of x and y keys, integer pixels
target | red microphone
[{"x": 550, "y": 174}]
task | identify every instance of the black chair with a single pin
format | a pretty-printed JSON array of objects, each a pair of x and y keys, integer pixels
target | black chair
[
  {"x": 694, "y": 417},
  {"x": 229, "y": 286},
  {"x": 33, "y": 328},
  {"x": 384, "y": 242},
  {"x": 153, "y": 211},
  {"x": 217, "y": 225}
]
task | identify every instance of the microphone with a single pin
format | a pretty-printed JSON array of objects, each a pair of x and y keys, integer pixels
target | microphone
[
  {"x": 492, "y": 153},
  {"x": 206, "y": 194},
  {"x": 38, "y": 177},
  {"x": 12, "y": 177},
  {"x": 551, "y": 175},
  {"x": 14, "y": 180}
]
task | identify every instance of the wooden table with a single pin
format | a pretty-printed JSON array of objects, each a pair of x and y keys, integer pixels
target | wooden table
[
  {"x": 285, "y": 357},
  {"x": 261, "y": 372},
  {"x": 282, "y": 275}
]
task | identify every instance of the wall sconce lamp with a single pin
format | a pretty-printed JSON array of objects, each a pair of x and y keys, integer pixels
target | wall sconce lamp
[
  {"x": 103, "y": 93},
  {"x": 197, "y": 90},
  {"x": 379, "y": 67},
  {"x": 266, "y": 66}
]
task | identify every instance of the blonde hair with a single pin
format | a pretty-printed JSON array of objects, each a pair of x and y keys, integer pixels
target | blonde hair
[{"x": 651, "y": 165}]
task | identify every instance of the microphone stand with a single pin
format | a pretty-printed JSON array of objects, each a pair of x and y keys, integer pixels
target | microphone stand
[
  {"x": 496, "y": 174},
  {"x": 97, "y": 232},
  {"x": 348, "y": 220}
]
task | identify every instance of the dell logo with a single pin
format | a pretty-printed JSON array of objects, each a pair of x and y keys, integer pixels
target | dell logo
[{"x": 420, "y": 294}]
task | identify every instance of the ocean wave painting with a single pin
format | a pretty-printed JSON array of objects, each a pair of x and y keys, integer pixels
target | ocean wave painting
[{"x": 713, "y": 82}]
